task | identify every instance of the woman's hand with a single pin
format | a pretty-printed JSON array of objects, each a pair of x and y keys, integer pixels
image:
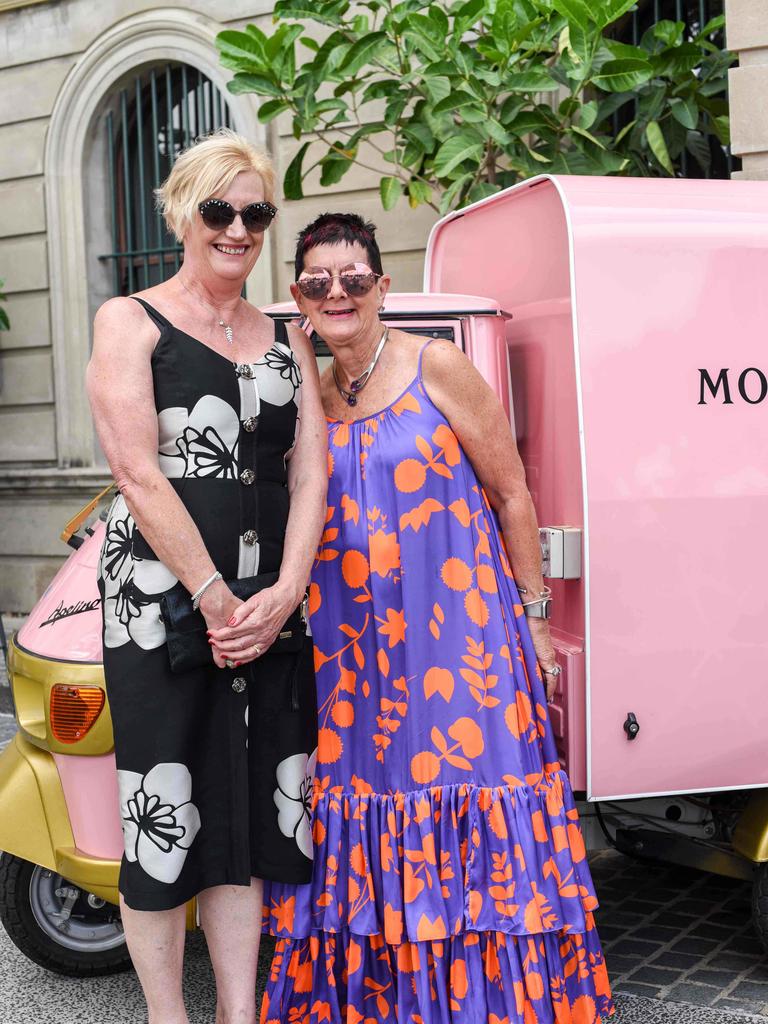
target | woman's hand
[
  {"x": 545, "y": 652},
  {"x": 218, "y": 604},
  {"x": 254, "y": 625}
]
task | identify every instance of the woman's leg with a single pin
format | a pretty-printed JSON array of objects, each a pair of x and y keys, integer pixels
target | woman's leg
[
  {"x": 156, "y": 943},
  {"x": 231, "y": 919}
]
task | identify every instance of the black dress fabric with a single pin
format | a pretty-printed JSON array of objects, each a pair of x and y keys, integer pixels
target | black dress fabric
[{"x": 215, "y": 766}]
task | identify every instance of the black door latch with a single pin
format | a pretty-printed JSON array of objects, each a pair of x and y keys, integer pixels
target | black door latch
[{"x": 631, "y": 726}]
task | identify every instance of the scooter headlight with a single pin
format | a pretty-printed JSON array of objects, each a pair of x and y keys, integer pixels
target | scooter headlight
[{"x": 74, "y": 709}]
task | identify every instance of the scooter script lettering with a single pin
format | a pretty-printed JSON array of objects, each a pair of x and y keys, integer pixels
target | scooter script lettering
[{"x": 64, "y": 611}]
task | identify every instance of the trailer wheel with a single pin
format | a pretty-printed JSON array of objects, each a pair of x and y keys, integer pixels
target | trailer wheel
[
  {"x": 760, "y": 904},
  {"x": 58, "y": 925}
]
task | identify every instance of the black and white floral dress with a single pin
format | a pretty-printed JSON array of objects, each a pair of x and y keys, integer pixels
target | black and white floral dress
[{"x": 215, "y": 766}]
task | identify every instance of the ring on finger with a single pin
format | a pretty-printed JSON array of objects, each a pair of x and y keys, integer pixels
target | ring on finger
[
  {"x": 229, "y": 663},
  {"x": 257, "y": 648}
]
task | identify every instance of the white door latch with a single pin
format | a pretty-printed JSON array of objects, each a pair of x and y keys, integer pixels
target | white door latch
[{"x": 560, "y": 552}]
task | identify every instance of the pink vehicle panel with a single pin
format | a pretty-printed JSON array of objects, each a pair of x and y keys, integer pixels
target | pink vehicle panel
[{"x": 622, "y": 291}]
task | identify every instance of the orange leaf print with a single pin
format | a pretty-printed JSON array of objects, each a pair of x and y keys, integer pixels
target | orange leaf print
[
  {"x": 354, "y": 956},
  {"x": 469, "y": 734},
  {"x": 539, "y": 828},
  {"x": 408, "y": 403},
  {"x": 534, "y": 985},
  {"x": 315, "y": 598},
  {"x": 340, "y": 436},
  {"x": 393, "y": 925},
  {"x": 354, "y": 569},
  {"x": 576, "y": 841},
  {"x": 476, "y": 608},
  {"x": 475, "y": 905},
  {"x": 460, "y": 509},
  {"x": 347, "y": 679},
  {"x": 456, "y": 574},
  {"x": 583, "y": 1010},
  {"x": 518, "y": 715},
  {"x": 420, "y": 515},
  {"x": 459, "y": 983},
  {"x": 496, "y": 820},
  {"x": 382, "y": 659},
  {"x": 394, "y": 627},
  {"x": 486, "y": 579},
  {"x": 329, "y": 746},
  {"x": 425, "y": 448},
  {"x": 425, "y": 767},
  {"x": 350, "y": 508},
  {"x": 438, "y": 612},
  {"x": 428, "y": 930},
  {"x": 383, "y": 552},
  {"x": 283, "y": 913},
  {"x": 412, "y": 884},
  {"x": 357, "y": 859},
  {"x": 446, "y": 438},
  {"x": 343, "y": 713},
  {"x": 410, "y": 475},
  {"x": 438, "y": 680}
]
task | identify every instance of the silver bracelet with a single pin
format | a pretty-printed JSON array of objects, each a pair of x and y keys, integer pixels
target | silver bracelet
[{"x": 199, "y": 593}]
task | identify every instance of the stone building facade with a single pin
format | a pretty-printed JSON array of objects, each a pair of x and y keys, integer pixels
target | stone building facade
[{"x": 62, "y": 63}]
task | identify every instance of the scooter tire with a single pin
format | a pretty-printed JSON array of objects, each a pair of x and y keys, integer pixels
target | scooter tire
[
  {"x": 23, "y": 929},
  {"x": 760, "y": 904}
]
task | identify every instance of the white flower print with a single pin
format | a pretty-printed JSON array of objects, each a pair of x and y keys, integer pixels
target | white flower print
[
  {"x": 159, "y": 820},
  {"x": 293, "y": 797},
  {"x": 132, "y": 585},
  {"x": 202, "y": 443},
  {"x": 278, "y": 376}
]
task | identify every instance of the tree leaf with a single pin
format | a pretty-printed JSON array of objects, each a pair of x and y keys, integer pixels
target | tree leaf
[
  {"x": 455, "y": 101},
  {"x": 294, "y": 175},
  {"x": 270, "y": 110},
  {"x": 262, "y": 86},
  {"x": 574, "y": 11},
  {"x": 623, "y": 75},
  {"x": 587, "y": 114},
  {"x": 655, "y": 137},
  {"x": 5, "y": 323},
  {"x": 530, "y": 81},
  {"x": 723, "y": 129},
  {"x": 418, "y": 192},
  {"x": 698, "y": 146},
  {"x": 454, "y": 152},
  {"x": 242, "y": 46},
  {"x": 362, "y": 52},
  {"x": 390, "y": 190},
  {"x": 577, "y": 130},
  {"x": 686, "y": 112}
]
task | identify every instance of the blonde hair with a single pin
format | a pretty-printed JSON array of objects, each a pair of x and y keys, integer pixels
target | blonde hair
[{"x": 206, "y": 169}]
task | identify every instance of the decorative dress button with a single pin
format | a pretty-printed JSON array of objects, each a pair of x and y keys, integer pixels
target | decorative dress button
[
  {"x": 245, "y": 370},
  {"x": 247, "y": 476},
  {"x": 250, "y": 537},
  {"x": 238, "y": 684},
  {"x": 250, "y": 424}
]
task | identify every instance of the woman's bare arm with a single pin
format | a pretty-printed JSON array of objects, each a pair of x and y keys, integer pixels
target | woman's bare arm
[
  {"x": 119, "y": 384},
  {"x": 480, "y": 424}
]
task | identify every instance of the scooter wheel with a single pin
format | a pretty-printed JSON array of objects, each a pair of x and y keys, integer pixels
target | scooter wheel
[
  {"x": 760, "y": 904},
  {"x": 57, "y": 925}
]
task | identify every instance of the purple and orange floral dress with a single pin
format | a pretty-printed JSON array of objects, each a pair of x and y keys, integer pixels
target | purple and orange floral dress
[{"x": 450, "y": 881}]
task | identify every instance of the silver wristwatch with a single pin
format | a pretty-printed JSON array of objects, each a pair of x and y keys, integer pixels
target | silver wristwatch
[{"x": 539, "y": 609}]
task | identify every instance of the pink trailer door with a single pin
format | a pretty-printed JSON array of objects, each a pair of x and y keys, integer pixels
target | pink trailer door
[{"x": 638, "y": 361}]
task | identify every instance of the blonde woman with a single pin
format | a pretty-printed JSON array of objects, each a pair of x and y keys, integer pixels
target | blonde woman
[{"x": 210, "y": 418}]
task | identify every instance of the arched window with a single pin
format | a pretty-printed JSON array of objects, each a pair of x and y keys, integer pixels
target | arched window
[{"x": 150, "y": 121}]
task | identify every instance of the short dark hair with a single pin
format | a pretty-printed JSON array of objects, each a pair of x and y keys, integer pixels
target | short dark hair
[{"x": 335, "y": 229}]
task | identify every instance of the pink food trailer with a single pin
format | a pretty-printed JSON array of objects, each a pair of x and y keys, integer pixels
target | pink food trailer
[{"x": 622, "y": 324}]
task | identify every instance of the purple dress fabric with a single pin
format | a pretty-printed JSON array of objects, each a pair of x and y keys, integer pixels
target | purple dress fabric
[{"x": 450, "y": 879}]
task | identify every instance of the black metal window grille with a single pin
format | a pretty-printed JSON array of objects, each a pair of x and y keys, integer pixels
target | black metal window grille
[
  {"x": 153, "y": 120},
  {"x": 695, "y": 14}
]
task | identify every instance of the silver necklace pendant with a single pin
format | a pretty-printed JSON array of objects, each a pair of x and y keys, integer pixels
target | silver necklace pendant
[
  {"x": 357, "y": 385},
  {"x": 227, "y": 331}
]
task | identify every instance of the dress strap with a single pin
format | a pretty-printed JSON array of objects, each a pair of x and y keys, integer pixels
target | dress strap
[
  {"x": 281, "y": 333},
  {"x": 157, "y": 318},
  {"x": 422, "y": 350}
]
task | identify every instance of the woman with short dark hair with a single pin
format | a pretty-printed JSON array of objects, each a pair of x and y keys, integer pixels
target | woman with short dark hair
[{"x": 450, "y": 881}]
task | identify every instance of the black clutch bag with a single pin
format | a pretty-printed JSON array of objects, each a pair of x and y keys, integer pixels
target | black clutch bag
[{"x": 186, "y": 631}]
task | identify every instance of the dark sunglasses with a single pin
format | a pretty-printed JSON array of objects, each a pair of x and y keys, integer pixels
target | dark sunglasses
[
  {"x": 356, "y": 281},
  {"x": 218, "y": 214}
]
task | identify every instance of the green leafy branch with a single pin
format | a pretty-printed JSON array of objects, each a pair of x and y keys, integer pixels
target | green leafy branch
[{"x": 450, "y": 102}]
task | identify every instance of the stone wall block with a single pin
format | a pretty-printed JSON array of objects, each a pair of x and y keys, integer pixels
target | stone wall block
[
  {"x": 29, "y": 90},
  {"x": 23, "y": 580},
  {"x": 29, "y": 313},
  {"x": 24, "y": 264},
  {"x": 26, "y": 378},
  {"x": 746, "y": 24},
  {"x": 27, "y": 435},
  {"x": 748, "y": 88},
  {"x": 21, "y": 147},
  {"x": 22, "y": 206}
]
